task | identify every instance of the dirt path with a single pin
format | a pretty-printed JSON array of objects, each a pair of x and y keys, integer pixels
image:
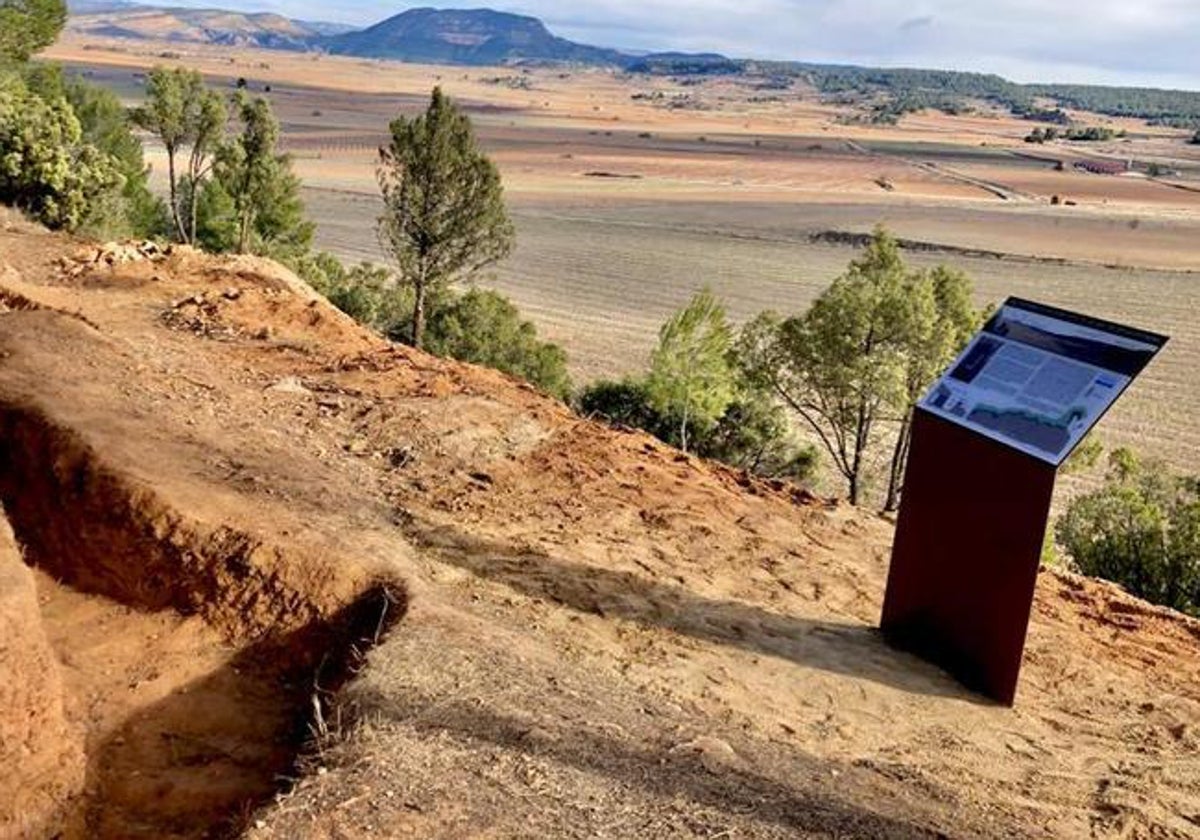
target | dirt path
[{"x": 992, "y": 188}]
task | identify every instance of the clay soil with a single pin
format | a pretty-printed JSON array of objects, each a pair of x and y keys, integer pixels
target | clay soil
[{"x": 224, "y": 492}]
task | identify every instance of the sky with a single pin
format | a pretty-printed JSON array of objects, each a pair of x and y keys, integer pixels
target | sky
[{"x": 1129, "y": 42}]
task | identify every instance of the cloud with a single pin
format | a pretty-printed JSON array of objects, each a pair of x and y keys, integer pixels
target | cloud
[
  {"x": 916, "y": 23},
  {"x": 1112, "y": 41}
]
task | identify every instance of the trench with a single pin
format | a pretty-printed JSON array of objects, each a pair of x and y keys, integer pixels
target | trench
[{"x": 194, "y": 679}]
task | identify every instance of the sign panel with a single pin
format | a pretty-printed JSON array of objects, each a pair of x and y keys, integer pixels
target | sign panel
[{"x": 1038, "y": 379}]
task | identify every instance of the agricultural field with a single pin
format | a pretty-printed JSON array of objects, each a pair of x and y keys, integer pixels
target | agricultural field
[{"x": 629, "y": 193}]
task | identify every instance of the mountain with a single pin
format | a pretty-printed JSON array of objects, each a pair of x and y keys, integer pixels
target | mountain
[
  {"x": 435, "y": 36},
  {"x": 199, "y": 26},
  {"x": 466, "y": 36},
  {"x": 89, "y": 7}
]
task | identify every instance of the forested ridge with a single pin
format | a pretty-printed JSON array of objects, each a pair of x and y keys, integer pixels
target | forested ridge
[{"x": 903, "y": 89}]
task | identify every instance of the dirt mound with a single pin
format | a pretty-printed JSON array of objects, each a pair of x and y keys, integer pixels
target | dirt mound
[{"x": 229, "y": 490}]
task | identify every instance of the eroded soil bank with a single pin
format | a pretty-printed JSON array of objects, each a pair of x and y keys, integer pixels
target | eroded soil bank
[{"x": 160, "y": 678}]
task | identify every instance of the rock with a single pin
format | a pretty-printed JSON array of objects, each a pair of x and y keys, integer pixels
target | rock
[
  {"x": 289, "y": 385},
  {"x": 400, "y": 456},
  {"x": 716, "y": 756}
]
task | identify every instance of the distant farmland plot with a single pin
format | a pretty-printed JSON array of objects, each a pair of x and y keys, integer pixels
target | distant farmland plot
[{"x": 601, "y": 280}]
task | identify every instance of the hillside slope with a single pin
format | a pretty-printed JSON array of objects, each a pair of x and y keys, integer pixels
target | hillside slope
[
  {"x": 228, "y": 490},
  {"x": 200, "y": 26}
]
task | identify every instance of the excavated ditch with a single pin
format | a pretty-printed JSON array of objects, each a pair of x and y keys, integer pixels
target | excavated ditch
[{"x": 191, "y": 674}]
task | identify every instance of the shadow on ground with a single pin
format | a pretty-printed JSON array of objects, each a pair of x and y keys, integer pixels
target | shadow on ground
[
  {"x": 197, "y": 763},
  {"x": 809, "y": 805},
  {"x": 855, "y": 650}
]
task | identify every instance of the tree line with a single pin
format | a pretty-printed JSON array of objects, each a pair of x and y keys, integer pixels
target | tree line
[{"x": 908, "y": 89}]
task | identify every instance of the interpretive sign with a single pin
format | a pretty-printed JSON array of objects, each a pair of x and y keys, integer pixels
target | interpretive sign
[
  {"x": 987, "y": 441},
  {"x": 1038, "y": 378}
]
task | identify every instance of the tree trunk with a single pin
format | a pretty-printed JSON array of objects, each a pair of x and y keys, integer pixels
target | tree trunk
[
  {"x": 683, "y": 428},
  {"x": 899, "y": 457},
  {"x": 418, "y": 323},
  {"x": 856, "y": 462},
  {"x": 192, "y": 212},
  {"x": 175, "y": 196},
  {"x": 243, "y": 231},
  {"x": 194, "y": 167}
]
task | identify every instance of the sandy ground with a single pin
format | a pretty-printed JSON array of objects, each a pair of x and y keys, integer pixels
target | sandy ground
[{"x": 603, "y": 637}]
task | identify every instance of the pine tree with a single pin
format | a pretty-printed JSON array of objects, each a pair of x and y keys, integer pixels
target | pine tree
[
  {"x": 27, "y": 26},
  {"x": 183, "y": 114},
  {"x": 444, "y": 217},
  {"x": 937, "y": 320},
  {"x": 690, "y": 376},
  {"x": 840, "y": 366},
  {"x": 253, "y": 201}
]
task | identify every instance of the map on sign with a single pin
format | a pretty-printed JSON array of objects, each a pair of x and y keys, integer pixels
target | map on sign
[{"x": 1038, "y": 378}]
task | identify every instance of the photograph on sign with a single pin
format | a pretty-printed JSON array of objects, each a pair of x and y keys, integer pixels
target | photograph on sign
[{"x": 1037, "y": 378}]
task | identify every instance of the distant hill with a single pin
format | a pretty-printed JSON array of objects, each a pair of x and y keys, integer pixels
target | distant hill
[
  {"x": 466, "y": 36},
  {"x": 488, "y": 37},
  {"x": 121, "y": 19},
  {"x": 88, "y": 7}
]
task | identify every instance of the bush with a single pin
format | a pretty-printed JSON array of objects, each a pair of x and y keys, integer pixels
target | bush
[
  {"x": 752, "y": 433},
  {"x": 1141, "y": 530},
  {"x": 46, "y": 167},
  {"x": 484, "y": 327},
  {"x": 627, "y": 402},
  {"x": 1091, "y": 134},
  {"x": 104, "y": 124},
  {"x": 1042, "y": 135}
]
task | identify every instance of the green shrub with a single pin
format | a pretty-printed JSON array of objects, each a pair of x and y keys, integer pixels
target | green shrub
[
  {"x": 104, "y": 123},
  {"x": 751, "y": 434},
  {"x": 627, "y": 402},
  {"x": 480, "y": 326},
  {"x": 47, "y": 169},
  {"x": 484, "y": 327},
  {"x": 1140, "y": 530}
]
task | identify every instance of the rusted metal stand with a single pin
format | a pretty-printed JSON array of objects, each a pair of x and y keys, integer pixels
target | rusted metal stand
[{"x": 968, "y": 543}]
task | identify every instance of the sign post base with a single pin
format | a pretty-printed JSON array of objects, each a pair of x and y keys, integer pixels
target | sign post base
[{"x": 965, "y": 561}]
